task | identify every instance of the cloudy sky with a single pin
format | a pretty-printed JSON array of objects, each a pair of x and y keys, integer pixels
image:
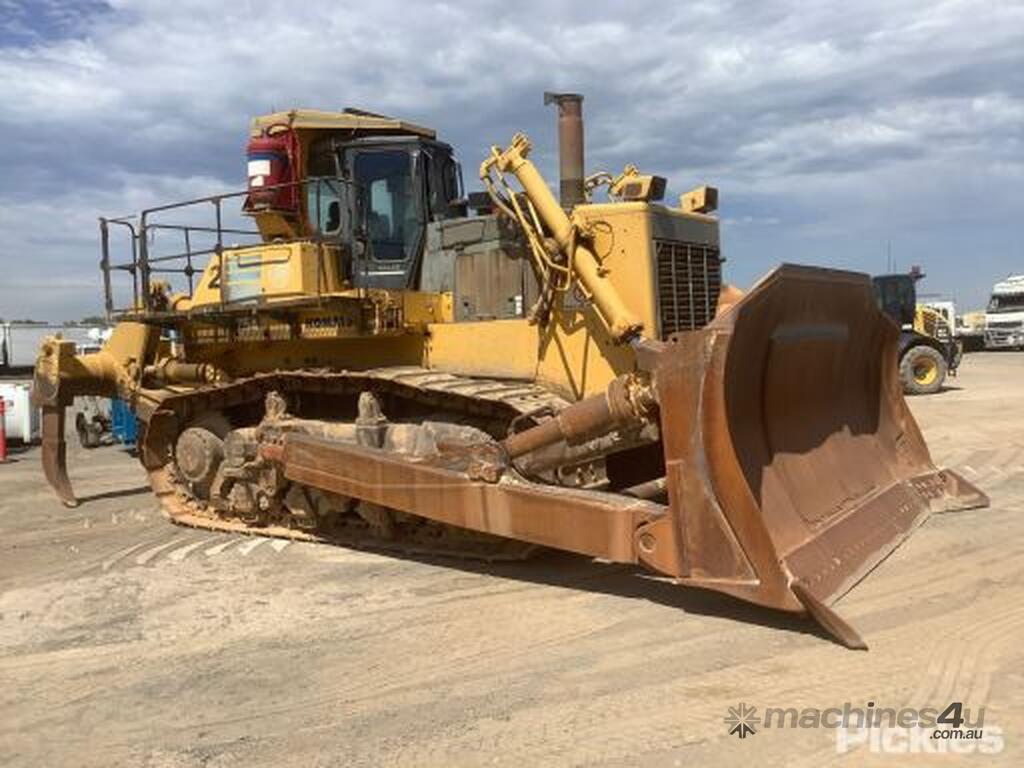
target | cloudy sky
[{"x": 836, "y": 132}]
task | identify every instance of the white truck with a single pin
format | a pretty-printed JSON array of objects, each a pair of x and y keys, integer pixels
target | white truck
[{"x": 1004, "y": 320}]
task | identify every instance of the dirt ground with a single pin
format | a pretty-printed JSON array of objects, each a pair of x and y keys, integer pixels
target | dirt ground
[{"x": 125, "y": 640}]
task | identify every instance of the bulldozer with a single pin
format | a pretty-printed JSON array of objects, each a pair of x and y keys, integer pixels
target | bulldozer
[{"x": 391, "y": 363}]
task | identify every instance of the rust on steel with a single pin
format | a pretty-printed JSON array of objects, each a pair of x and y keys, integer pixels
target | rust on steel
[
  {"x": 627, "y": 402},
  {"x": 55, "y": 454},
  {"x": 791, "y": 455},
  {"x": 793, "y": 465},
  {"x": 587, "y": 522},
  {"x": 570, "y": 146}
]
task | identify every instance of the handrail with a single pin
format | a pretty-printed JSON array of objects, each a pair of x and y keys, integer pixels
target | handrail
[{"x": 141, "y": 228}]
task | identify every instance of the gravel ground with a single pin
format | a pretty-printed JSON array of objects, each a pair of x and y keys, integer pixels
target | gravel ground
[{"x": 125, "y": 640}]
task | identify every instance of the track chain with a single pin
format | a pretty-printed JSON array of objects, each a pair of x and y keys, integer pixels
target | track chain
[{"x": 483, "y": 400}]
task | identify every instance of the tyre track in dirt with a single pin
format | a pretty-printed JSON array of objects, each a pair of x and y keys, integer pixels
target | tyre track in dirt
[{"x": 222, "y": 652}]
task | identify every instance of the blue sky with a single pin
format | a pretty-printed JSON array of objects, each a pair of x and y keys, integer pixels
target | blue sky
[{"x": 832, "y": 130}]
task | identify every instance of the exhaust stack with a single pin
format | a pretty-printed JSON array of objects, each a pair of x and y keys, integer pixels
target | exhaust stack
[{"x": 570, "y": 146}]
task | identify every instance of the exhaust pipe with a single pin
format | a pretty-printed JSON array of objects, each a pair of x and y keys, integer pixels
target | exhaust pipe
[{"x": 570, "y": 146}]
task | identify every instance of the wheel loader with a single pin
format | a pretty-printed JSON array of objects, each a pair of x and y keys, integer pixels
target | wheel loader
[
  {"x": 927, "y": 350},
  {"x": 380, "y": 360}
]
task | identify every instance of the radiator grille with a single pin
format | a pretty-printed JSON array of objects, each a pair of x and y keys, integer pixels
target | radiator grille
[{"x": 689, "y": 277}]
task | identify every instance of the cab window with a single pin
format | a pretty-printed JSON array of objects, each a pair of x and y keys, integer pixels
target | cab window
[
  {"x": 392, "y": 212},
  {"x": 325, "y": 205}
]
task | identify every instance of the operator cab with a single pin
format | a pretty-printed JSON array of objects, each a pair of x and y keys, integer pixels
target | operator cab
[
  {"x": 897, "y": 296},
  {"x": 397, "y": 187},
  {"x": 367, "y": 183}
]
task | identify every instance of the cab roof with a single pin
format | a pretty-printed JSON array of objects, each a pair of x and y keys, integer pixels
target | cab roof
[{"x": 357, "y": 121}]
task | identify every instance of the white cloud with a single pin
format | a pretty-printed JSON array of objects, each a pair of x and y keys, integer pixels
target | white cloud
[{"x": 819, "y": 122}]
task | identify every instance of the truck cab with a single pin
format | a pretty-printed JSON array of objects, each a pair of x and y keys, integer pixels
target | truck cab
[{"x": 1004, "y": 319}]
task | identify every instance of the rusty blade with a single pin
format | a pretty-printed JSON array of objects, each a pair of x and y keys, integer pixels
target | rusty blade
[
  {"x": 54, "y": 454},
  {"x": 791, "y": 455}
]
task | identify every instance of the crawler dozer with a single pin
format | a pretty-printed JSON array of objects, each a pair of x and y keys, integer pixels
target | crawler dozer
[{"x": 380, "y": 360}]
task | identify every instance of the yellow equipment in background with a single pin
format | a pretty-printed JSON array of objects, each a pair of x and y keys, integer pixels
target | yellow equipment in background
[{"x": 927, "y": 350}]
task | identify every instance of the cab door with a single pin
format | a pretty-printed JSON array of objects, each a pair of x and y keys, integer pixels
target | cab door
[{"x": 391, "y": 198}]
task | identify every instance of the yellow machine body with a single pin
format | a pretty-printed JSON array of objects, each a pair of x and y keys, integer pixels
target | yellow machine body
[
  {"x": 392, "y": 364},
  {"x": 571, "y": 354}
]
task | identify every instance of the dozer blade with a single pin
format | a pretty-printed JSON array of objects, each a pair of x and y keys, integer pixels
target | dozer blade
[{"x": 794, "y": 465}]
